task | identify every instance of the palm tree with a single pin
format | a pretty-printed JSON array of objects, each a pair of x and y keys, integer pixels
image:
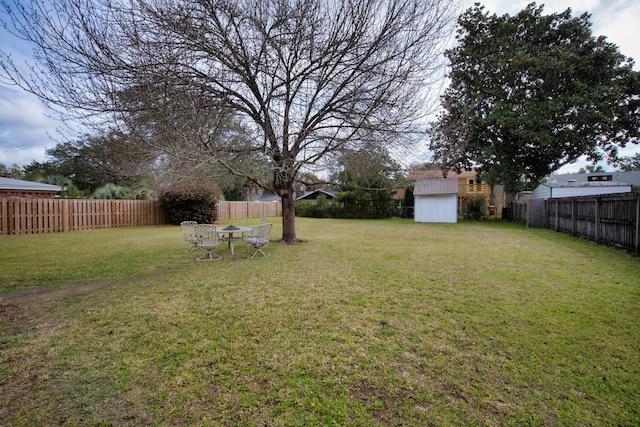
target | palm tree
[
  {"x": 69, "y": 190},
  {"x": 112, "y": 191}
]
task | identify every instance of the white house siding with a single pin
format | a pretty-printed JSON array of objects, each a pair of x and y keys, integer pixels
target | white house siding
[
  {"x": 436, "y": 208},
  {"x": 542, "y": 191}
]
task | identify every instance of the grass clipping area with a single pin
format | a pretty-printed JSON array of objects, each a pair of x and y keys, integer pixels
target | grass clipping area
[{"x": 367, "y": 323}]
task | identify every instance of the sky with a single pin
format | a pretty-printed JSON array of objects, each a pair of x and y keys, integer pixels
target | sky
[{"x": 27, "y": 128}]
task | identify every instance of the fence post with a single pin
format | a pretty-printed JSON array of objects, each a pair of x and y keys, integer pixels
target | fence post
[
  {"x": 10, "y": 216},
  {"x": 4, "y": 203},
  {"x": 65, "y": 214},
  {"x": 637, "y": 224},
  {"x": 597, "y": 203},
  {"x": 573, "y": 217}
]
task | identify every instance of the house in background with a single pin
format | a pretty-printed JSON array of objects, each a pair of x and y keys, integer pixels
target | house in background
[
  {"x": 256, "y": 194},
  {"x": 312, "y": 196},
  {"x": 16, "y": 188},
  {"x": 625, "y": 177},
  {"x": 469, "y": 186},
  {"x": 436, "y": 200},
  {"x": 268, "y": 196},
  {"x": 575, "y": 185}
]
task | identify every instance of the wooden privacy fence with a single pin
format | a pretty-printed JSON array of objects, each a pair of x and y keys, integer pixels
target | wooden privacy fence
[
  {"x": 30, "y": 216},
  {"x": 608, "y": 219},
  {"x": 230, "y": 210}
]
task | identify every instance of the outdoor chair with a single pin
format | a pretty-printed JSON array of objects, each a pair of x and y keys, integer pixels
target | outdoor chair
[
  {"x": 254, "y": 230},
  {"x": 207, "y": 241},
  {"x": 189, "y": 233},
  {"x": 258, "y": 239}
]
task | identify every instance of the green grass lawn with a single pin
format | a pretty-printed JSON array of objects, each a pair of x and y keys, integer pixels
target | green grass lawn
[{"x": 367, "y": 323}]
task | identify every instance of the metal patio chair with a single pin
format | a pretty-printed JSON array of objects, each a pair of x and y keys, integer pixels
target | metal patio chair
[
  {"x": 207, "y": 241},
  {"x": 254, "y": 230},
  {"x": 189, "y": 233},
  {"x": 258, "y": 239}
]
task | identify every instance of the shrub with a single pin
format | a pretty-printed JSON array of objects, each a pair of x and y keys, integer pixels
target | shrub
[
  {"x": 407, "y": 210},
  {"x": 320, "y": 209},
  {"x": 194, "y": 203},
  {"x": 476, "y": 208},
  {"x": 355, "y": 204}
]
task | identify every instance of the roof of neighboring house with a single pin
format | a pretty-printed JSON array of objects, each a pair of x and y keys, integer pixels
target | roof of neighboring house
[
  {"x": 431, "y": 187},
  {"x": 631, "y": 177},
  {"x": 437, "y": 174},
  {"x": 576, "y": 188},
  {"x": 398, "y": 193},
  {"x": 315, "y": 193},
  {"x": 267, "y": 196},
  {"x": 11, "y": 184},
  {"x": 584, "y": 184}
]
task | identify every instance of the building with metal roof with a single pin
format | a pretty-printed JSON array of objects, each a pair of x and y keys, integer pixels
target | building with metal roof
[
  {"x": 436, "y": 200},
  {"x": 575, "y": 185},
  {"x": 16, "y": 188}
]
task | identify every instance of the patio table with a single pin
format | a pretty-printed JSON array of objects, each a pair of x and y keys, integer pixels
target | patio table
[{"x": 231, "y": 233}]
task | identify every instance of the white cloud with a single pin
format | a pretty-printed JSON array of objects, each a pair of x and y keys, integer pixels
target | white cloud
[
  {"x": 20, "y": 155},
  {"x": 620, "y": 26},
  {"x": 25, "y": 128},
  {"x": 20, "y": 108}
]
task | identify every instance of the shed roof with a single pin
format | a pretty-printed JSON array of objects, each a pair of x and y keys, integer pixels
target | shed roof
[
  {"x": 11, "y": 184},
  {"x": 431, "y": 187}
]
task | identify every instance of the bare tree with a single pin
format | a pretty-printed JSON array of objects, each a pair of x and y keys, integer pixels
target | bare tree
[{"x": 306, "y": 78}]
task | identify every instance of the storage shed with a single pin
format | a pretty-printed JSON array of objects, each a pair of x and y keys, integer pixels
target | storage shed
[{"x": 436, "y": 200}]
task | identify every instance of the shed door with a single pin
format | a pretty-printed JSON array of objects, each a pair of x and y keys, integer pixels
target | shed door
[{"x": 438, "y": 208}]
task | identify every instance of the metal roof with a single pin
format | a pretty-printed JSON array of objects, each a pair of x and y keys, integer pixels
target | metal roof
[
  {"x": 625, "y": 177},
  {"x": 431, "y": 187},
  {"x": 11, "y": 184},
  {"x": 584, "y": 184},
  {"x": 575, "y": 189}
]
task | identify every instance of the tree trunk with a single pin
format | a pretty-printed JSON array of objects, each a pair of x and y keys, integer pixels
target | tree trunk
[{"x": 288, "y": 218}]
